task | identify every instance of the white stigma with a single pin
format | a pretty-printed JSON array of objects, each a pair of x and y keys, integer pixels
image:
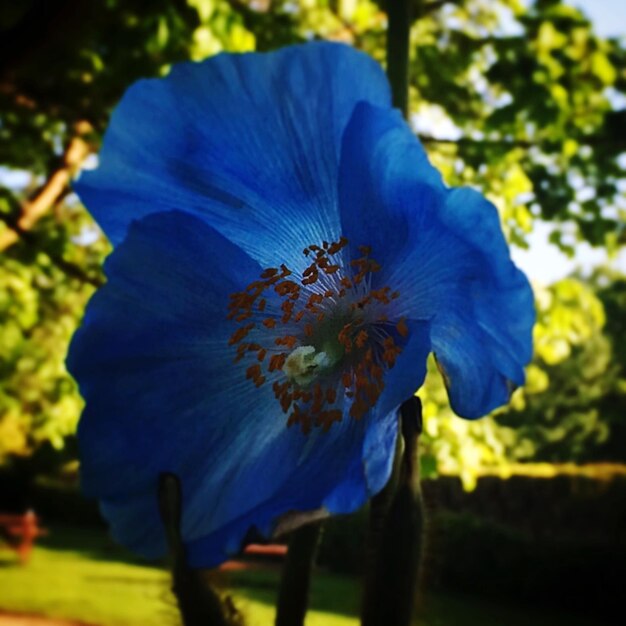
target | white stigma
[{"x": 304, "y": 364}]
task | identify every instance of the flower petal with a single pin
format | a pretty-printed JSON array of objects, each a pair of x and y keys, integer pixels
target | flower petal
[
  {"x": 445, "y": 253},
  {"x": 406, "y": 377},
  {"x": 382, "y": 164},
  {"x": 153, "y": 335},
  {"x": 248, "y": 142},
  {"x": 483, "y": 344},
  {"x": 401, "y": 382},
  {"x": 164, "y": 395}
]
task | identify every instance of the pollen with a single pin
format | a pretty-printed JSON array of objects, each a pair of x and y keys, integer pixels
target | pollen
[
  {"x": 325, "y": 340},
  {"x": 402, "y": 328}
]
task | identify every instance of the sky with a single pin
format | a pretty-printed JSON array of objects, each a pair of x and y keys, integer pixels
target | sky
[
  {"x": 543, "y": 262},
  {"x": 608, "y": 16}
]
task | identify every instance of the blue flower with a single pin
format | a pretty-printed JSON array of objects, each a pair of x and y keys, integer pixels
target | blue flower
[{"x": 285, "y": 260}]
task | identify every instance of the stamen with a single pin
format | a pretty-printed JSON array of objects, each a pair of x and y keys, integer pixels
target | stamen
[
  {"x": 240, "y": 334},
  {"x": 288, "y": 340},
  {"x": 402, "y": 328},
  {"x": 277, "y": 361},
  {"x": 335, "y": 335}
]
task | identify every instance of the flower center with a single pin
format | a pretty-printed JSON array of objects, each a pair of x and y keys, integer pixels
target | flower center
[
  {"x": 324, "y": 341},
  {"x": 304, "y": 364}
]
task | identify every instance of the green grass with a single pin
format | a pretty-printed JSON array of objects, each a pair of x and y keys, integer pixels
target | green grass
[{"x": 79, "y": 574}]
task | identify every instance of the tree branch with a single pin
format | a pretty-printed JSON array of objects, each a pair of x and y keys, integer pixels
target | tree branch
[
  {"x": 52, "y": 191},
  {"x": 398, "y": 35},
  {"x": 591, "y": 140},
  {"x": 468, "y": 141},
  {"x": 19, "y": 100},
  {"x": 243, "y": 9},
  {"x": 431, "y": 7},
  {"x": 74, "y": 271}
]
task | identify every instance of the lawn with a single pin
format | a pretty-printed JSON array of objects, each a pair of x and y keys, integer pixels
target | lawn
[{"x": 79, "y": 574}]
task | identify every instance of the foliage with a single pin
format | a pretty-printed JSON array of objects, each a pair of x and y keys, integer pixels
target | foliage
[
  {"x": 573, "y": 402},
  {"x": 533, "y": 108},
  {"x": 579, "y": 415},
  {"x": 525, "y": 102},
  {"x": 39, "y": 308}
]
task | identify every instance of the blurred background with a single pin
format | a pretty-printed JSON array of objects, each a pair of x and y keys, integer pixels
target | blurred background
[{"x": 526, "y": 100}]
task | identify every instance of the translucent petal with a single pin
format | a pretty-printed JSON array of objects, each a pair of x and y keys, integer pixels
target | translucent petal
[
  {"x": 164, "y": 395},
  {"x": 444, "y": 251},
  {"x": 248, "y": 142},
  {"x": 384, "y": 178}
]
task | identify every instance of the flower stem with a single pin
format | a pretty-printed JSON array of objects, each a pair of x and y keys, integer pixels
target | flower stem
[
  {"x": 378, "y": 509},
  {"x": 198, "y": 603},
  {"x": 391, "y": 583},
  {"x": 399, "y": 26},
  {"x": 293, "y": 596}
]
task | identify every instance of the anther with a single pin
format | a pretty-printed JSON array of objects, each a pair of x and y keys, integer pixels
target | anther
[{"x": 402, "y": 328}]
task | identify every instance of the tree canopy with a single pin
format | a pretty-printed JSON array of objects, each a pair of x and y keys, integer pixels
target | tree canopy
[{"x": 522, "y": 100}]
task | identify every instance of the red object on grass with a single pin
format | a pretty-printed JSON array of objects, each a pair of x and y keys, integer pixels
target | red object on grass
[
  {"x": 19, "y": 532},
  {"x": 258, "y": 549}
]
